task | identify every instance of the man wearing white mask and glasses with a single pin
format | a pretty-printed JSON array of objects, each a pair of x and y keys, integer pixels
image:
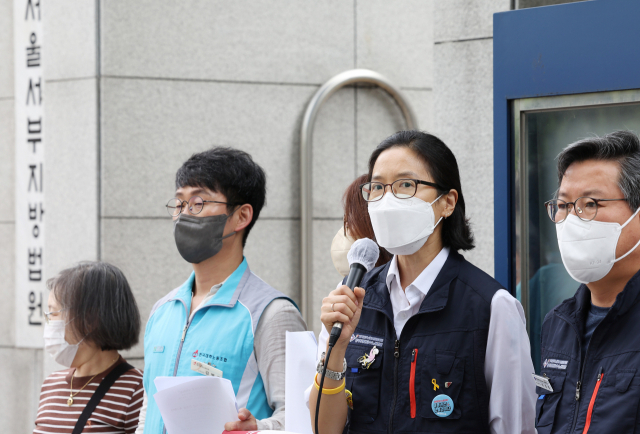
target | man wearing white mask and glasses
[{"x": 590, "y": 344}]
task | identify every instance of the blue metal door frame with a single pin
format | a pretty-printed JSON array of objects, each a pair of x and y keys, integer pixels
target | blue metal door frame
[{"x": 591, "y": 46}]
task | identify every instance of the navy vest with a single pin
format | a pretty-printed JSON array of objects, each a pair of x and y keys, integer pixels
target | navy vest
[
  {"x": 441, "y": 352},
  {"x": 612, "y": 356}
]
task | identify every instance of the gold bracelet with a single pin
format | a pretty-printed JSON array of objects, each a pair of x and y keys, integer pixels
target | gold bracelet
[{"x": 326, "y": 391}]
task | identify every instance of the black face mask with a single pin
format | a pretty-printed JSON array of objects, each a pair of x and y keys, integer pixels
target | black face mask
[{"x": 199, "y": 238}]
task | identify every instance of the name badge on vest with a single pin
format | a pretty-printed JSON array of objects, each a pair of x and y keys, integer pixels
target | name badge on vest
[
  {"x": 205, "y": 369},
  {"x": 542, "y": 382}
]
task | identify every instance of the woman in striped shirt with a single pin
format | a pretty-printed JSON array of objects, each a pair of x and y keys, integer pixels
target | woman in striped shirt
[{"x": 92, "y": 314}]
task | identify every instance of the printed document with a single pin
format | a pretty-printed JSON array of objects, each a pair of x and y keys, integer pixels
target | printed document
[{"x": 195, "y": 404}]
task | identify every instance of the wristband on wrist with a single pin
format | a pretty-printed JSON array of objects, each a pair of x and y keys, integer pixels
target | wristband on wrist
[{"x": 326, "y": 391}]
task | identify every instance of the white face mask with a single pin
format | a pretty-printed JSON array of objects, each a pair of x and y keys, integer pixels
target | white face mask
[
  {"x": 402, "y": 226},
  {"x": 340, "y": 246},
  {"x": 56, "y": 345},
  {"x": 588, "y": 249}
]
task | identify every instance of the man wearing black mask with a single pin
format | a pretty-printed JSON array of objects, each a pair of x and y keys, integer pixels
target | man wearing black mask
[{"x": 223, "y": 315}]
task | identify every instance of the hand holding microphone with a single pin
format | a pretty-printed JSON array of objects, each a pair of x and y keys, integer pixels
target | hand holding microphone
[
  {"x": 341, "y": 309},
  {"x": 344, "y": 304}
]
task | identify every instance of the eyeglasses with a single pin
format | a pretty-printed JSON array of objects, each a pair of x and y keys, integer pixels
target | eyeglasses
[
  {"x": 586, "y": 208},
  {"x": 47, "y": 315},
  {"x": 402, "y": 189},
  {"x": 176, "y": 206}
]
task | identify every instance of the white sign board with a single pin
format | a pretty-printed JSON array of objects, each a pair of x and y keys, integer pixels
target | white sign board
[
  {"x": 300, "y": 370},
  {"x": 30, "y": 292}
]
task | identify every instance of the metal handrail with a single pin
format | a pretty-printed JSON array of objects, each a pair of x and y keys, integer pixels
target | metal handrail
[{"x": 306, "y": 199}]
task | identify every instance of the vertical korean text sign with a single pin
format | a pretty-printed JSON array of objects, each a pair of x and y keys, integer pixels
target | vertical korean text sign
[{"x": 30, "y": 290}]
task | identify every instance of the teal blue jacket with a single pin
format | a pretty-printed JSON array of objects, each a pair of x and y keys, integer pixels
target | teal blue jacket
[{"x": 221, "y": 333}]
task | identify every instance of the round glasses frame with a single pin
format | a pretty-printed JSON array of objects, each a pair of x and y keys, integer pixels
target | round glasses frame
[
  {"x": 580, "y": 205},
  {"x": 367, "y": 188},
  {"x": 176, "y": 206}
]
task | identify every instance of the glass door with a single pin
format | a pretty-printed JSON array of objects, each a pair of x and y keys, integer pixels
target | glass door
[{"x": 542, "y": 128}]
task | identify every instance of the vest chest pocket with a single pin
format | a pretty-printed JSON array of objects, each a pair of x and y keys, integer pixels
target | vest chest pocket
[
  {"x": 441, "y": 383},
  {"x": 363, "y": 380},
  {"x": 547, "y": 402},
  {"x": 616, "y": 403}
]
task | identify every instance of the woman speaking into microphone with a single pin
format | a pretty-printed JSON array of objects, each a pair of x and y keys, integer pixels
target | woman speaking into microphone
[{"x": 430, "y": 343}]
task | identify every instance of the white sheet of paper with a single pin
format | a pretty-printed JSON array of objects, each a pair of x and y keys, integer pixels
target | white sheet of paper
[
  {"x": 199, "y": 405},
  {"x": 300, "y": 369},
  {"x": 163, "y": 383}
]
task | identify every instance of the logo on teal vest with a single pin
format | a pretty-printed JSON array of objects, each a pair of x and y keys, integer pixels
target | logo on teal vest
[{"x": 197, "y": 354}]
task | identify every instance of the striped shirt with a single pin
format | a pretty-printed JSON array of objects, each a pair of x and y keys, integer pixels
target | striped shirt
[{"x": 117, "y": 412}]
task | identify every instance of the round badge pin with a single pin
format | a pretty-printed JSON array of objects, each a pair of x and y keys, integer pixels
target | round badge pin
[{"x": 442, "y": 405}]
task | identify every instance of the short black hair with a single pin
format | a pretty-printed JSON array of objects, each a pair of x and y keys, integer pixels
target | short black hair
[
  {"x": 620, "y": 146},
  {"x": 99, "y": 304},
  {"x": 228, "y": 171},
  {"x": 443, "y": 167}
]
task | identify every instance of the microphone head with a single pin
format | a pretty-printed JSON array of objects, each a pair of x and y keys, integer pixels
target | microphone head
[{"x": 365, "y": 252}]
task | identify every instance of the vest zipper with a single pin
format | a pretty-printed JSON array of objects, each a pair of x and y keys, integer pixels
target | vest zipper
[
  {"x": 592, "y": 402},
  {"x": 412, "y": 381},
  {"x": 582, "y": 366},
  {"x": 184, "y": 333},
  {"x": 579, "y": 383},
  {"x": 175, "y": 367},
  {"x": 396, "y": 356}
]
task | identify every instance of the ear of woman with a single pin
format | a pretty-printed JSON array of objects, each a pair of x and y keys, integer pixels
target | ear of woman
[{"x": 449, "y": 203}]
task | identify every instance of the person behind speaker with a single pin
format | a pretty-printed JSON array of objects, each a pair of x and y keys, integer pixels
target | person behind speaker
[
  {"x": 430, "y": 342},
  {"x": 356, "y": 225}
]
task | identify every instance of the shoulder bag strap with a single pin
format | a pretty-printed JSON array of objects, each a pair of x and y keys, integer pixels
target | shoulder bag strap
[{"x": 102, "y": 389}]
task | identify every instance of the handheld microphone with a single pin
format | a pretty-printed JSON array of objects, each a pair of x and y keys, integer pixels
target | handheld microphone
[{"x": 362, "y": 257}]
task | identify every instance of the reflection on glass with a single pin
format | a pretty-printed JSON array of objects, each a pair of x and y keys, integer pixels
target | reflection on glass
[{"x": 546, "y": 133}]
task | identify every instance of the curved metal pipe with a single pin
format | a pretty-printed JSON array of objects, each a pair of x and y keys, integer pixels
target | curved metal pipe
[{"x": 306, "y": 196}]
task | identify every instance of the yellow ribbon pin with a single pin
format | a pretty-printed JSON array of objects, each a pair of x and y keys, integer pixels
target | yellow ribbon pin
[
  {"x": 435, "y": 385},
  {"x": 349, "y": 398}
]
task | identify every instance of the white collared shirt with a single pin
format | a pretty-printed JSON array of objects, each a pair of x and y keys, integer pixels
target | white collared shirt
[
  {"x": 507, "y": 364},
  {"x": 407, "y": 303}
]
